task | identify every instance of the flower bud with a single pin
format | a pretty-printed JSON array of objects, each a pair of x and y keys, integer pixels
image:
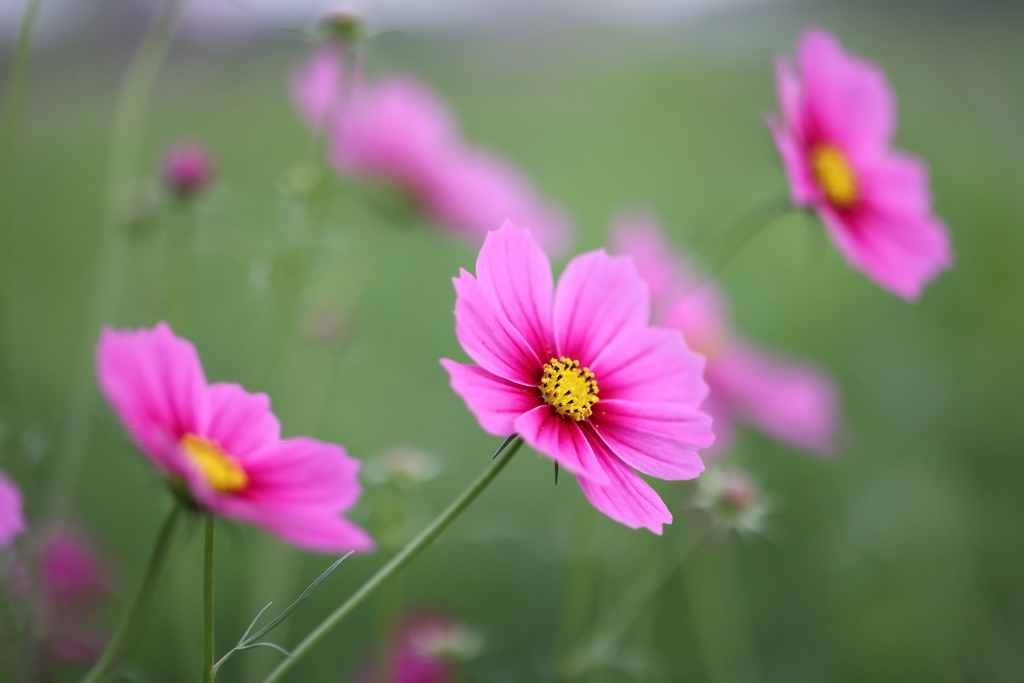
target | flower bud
[{"x": 187, "y": 169}]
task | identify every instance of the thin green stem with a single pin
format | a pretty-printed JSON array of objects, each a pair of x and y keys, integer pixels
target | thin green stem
[
  {"x": 125, "y": 145},
  {"x": 10, "y": 120},
  {"x": 208, "y": 671},
  {"x": 404, "y": 556},
  {"x": 129, "y": 622}
]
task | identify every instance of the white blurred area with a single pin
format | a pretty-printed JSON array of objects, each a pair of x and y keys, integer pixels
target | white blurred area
[{"x": 218, "y": 20}]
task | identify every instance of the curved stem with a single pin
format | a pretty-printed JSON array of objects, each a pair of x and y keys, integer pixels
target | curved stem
[
  {"x": 125, "y": 145},
  {"x": 404, "y": 556},
  {"x": 208, "y": 672},
  {"x": 129, "y": 622}
]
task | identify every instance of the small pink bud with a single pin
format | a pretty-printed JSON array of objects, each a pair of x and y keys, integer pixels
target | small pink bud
[
  {"x": 738, "y": 492},
  {"x": 188, "y": 169}
]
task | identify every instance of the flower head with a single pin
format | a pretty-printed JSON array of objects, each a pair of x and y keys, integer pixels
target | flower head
[
  {"x": 398, "y": 130},
  {"x": 423, "y": 649},
  {"x": 793, "y": 402},
  {"x": 222, "y": 446},
  {"x": 12, "y": 519},
  {"x": 188, "y": 169},
  {"x": 834, "y": 138},
  {"x": 579, "y": 374}
]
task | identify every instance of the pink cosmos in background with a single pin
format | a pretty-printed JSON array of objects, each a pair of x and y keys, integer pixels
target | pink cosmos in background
[
  {"x": 398, "y": 130},
  {"x": 12, "y": 518},
  {"x": 223, "y": 445},
  {"x": 423, "y": 648},
  {"x": 835, "y": 141},
  {"x": 73, "y": 584},
  {"x": 188, "y": 168},
  {"x": 790, "y": 401},
  {"x": 579, "y": 374}
]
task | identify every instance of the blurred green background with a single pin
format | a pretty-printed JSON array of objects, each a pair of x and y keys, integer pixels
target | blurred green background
[{"x": 902, "y": 560}]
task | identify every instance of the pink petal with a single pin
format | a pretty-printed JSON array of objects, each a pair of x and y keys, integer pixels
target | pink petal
[
  {"x": 802, "y": 187},
  {"x": 155, "y": 383},
  {"x": 489, "y": 338},
  {"x": 316, "y": 86},
  {"x": 849, "y": 102},
  {"x": 301, "y": 474},
  {"x": 640, "y": 237},
  {"x": 12, "y": 520},
  {"x": 651, "y": 365},
  {"x": 319, "y": 532},
  {"x": 562, "y": 440},
  {"x": 599, "y": 298},
  {"x": 792, "y": 402},
  {"x": 896, "y": 184},
  {"x": 659, "y": 439},
  {"x": 494, "y": 401},
  {"x": 900, "y": 253},
  {"x": 515, "y": 276},
  {"x": 240, "y": 422},
  {"x": 791, "y": 100},
  {"x": 627, "y": 498}
]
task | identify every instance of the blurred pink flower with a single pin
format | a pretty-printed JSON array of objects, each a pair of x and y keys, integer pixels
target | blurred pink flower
[
  {"x": 12, "y": 519},
  {"x": 73, "y": 583},
  {"x": 789, "y": 401},
  {"x": 544, "y": 354},
  {"x": 188, "y": 169},
  {"x": 423, "y": 649},
  {"x": 834, "y": 139},
  {"x": 399, "y": 130},
  {"x": 222, "y": 446}
]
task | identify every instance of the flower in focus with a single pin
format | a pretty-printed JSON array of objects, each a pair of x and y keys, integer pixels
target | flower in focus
[
  {"x": 12, "y": 519},
  {"x": 221, "y": 447},
  {"x": 838, "y": 120},
  {"x": 423, "y": 649},
  {"x": 579, "y": 374},
  {"x": 790, "y": 401},
  {"x": 187, "y": 169},
  {"x": 398, "y": 130}
]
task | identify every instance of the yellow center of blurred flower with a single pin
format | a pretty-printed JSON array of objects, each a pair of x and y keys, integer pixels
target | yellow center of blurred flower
[
  {"x": 221, "y": 470},
  {"x": 568, "y": 388},
  {"x": 835, "y": 176}
]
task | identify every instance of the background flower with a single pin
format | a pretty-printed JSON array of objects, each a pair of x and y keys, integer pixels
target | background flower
[
  {"x": 224, "y": 445},
  {"x": 12, "y": 519},
  {"x": 838, "y": 119}
]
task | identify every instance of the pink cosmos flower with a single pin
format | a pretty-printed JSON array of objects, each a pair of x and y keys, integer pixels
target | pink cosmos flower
[
  {"x": 187, "y": 168},
  {"x": 424, "y": 648},
  {"x": 835, "y": 136},
  {"x": 790, "y": 401},
  {"x": 12, "y": 519},
  {"x": 397, "y": 129},
  {"x": 579, "y": 374},
  {"x": 222, "y": 446}
]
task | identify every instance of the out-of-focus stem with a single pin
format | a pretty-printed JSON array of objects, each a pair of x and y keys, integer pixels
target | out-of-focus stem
[
  {"x": 129, "y": 622},
  {"x": 404, "y": 556},
  {"x": 10, "y": 120},
  {"x": 208, "y": 671},
  {"x": 125, "y": 144}
]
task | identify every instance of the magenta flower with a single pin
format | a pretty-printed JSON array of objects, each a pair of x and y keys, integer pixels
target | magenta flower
[
  {"x": 222, "y": 447},
  {"x": 838, "y": 120},
  {"x": 12, "y": 519},
  {"x": 790, "y": 401},
  {"x": 578, "y": 372},
  {"x": 398, "y": 130},
  {"x": 424, "y": 649},
  {"x": 188, "y": 169}
]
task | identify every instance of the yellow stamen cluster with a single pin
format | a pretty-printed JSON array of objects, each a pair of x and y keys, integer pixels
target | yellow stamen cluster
[
  {"x": 222, "y": 471},
  {"x": 835, "y": 176},
  {"x": 568, "y": 388}
]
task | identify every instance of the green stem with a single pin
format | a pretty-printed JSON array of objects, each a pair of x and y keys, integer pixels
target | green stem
[
  {"x": 718, "y": 248},
  {"x": 10, "y": 120},
  {"x": 208, "y": 672},
  {"x": 404, "y": 556},
  {"x": 125, "y": 146},
  {"x": 129, "y": 622}
]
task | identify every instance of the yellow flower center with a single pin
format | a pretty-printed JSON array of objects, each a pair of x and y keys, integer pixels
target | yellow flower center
[
  {"x": 568, "y": 388},
  {"x": 835, "y": 176},
  {"x": 222, "y": 471}
]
